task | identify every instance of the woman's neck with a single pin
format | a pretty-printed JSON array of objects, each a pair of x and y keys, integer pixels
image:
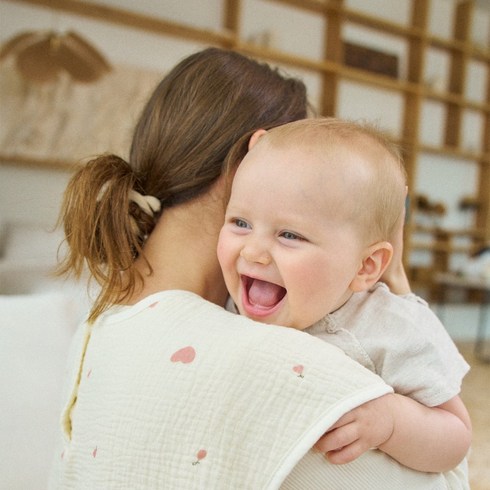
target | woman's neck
[{"x": 181, "y": 251}]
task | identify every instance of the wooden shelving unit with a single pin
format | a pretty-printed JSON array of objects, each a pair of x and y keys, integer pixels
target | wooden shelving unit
[{"x": 332, "y": 71}]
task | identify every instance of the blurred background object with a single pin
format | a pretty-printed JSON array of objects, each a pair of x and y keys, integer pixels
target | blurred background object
[{"x": 42, "y": 56}]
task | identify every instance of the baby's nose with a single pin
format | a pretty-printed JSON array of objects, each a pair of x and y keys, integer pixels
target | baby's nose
[{"x": 253, "y": 251}]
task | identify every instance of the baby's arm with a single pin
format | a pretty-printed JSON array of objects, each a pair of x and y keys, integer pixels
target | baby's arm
[{"x": 422, "y": 438}]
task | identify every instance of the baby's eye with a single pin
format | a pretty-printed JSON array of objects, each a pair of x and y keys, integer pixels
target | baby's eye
[
  {"x": 289, "y": 235},
  {"x": 240, "y": 223}
]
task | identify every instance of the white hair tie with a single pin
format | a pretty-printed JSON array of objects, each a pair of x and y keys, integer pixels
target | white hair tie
[{"x": 148, "y": 204}]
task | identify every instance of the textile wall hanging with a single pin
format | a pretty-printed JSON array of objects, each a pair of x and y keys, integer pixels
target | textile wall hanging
[{"x": 68, "y": 121}]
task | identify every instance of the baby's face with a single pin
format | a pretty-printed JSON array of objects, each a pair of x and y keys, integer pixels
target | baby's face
[{"x": 287, "y": 249}]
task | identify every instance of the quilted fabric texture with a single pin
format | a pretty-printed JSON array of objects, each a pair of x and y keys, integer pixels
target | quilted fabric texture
[{"x": 176, "y": 393}]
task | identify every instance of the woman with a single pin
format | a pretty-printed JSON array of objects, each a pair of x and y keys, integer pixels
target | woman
[{"x": 167, "y": 389}]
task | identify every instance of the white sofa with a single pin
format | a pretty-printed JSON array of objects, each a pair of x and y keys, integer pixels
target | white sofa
[{"x": 38, "y": 316}]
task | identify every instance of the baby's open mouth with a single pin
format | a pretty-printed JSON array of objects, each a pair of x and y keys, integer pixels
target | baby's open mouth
[{"x": 261, "y": 296}]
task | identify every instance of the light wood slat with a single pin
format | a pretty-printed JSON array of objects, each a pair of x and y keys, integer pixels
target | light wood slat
[{"x": 134, "y": 20}]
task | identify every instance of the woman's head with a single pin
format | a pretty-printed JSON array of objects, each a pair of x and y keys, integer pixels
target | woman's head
[
  {"x": 203, "y": 106},
  {"x": 192, "y": 119}
]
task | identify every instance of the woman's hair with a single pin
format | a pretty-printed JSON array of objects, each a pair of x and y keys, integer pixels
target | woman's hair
[{"x": 192, "y": 119}]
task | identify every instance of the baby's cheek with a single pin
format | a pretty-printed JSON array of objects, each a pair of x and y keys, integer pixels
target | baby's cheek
[
  {"x": 223, "y": 252},
  {"x": 303, "y": 289},
  {"x": 314, "y": 296},
  {"x": 304, "y": 278}
]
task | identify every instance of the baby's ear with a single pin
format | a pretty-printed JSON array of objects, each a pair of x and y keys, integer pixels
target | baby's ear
[
  {"x": 255, "y": 137},
  {"x": 376, "y": 259}
]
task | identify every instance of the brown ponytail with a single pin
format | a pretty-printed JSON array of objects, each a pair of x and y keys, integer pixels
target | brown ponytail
[{"x": 104, "y": 230}]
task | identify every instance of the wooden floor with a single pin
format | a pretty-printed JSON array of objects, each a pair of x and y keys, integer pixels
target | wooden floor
[{"x": 476, "y": 395}]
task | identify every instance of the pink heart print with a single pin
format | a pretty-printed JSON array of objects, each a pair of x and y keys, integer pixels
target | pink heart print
[
  {"x": 201, "y": 454},
  {"x": 184, "y": 355},
  {"x": 298, "y": 369}
]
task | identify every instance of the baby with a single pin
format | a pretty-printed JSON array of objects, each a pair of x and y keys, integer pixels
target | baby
[{"x": 313, "y": 207}]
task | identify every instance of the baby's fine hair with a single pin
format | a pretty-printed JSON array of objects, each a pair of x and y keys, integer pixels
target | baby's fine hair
[
  {"x": 379, "y": 206},
  {"x": 194, "y": 116}
]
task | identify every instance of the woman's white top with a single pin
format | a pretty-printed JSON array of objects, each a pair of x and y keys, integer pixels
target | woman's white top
[{"x": 176, "y": 393}]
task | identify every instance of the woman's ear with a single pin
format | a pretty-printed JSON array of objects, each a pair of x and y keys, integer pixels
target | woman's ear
[
  {"x": 255, "y": 137},
  {"x": 376, "y": 259}
]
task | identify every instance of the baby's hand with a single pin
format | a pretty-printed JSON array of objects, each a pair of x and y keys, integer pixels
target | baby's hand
[{"x": 367, "y": 426}]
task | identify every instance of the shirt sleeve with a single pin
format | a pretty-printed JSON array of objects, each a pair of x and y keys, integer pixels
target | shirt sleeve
[{"x": 409, "y": 347}]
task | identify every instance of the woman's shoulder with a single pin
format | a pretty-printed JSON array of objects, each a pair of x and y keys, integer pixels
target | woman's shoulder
[{"x": 163, "y": 302}]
